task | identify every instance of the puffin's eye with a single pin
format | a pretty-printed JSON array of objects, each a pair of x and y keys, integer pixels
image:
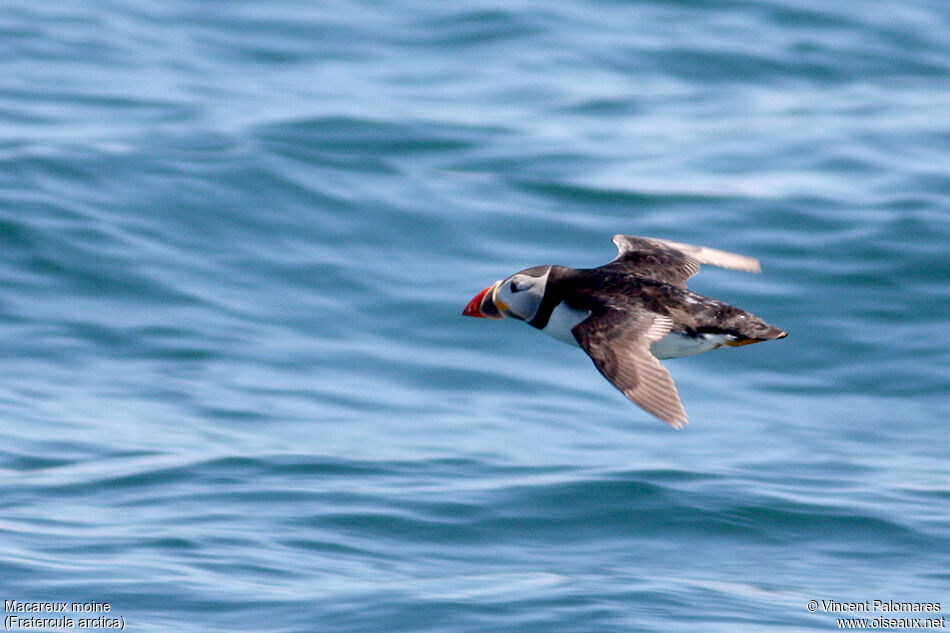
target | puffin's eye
[{"x": 513, "y": 286}]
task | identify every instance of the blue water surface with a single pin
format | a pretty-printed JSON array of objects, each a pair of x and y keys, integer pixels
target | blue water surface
[{"x": 237, "y": 393}]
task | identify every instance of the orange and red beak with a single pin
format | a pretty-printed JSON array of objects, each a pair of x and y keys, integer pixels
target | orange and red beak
[{"x": 483, "y": 306}]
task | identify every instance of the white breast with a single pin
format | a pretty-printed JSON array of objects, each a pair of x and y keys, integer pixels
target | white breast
[{"x": 563, "y": 318}]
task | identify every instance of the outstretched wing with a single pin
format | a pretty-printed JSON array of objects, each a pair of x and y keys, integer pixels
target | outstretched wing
[
  {"x": 672, "y": 262},
  {"x": 618, "y": 341}
]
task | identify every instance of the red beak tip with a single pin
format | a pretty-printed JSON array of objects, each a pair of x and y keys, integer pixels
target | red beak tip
[{"x": 474, "y": 307}]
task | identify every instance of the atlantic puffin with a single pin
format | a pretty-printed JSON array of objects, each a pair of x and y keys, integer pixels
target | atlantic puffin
[{"x": 630, "y": 313}]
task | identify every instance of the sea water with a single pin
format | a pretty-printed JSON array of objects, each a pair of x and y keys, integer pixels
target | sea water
[{"x": 236, "y": 239}]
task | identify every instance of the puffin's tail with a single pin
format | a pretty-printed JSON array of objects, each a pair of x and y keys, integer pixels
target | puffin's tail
[{"x": 768, "y": 334}]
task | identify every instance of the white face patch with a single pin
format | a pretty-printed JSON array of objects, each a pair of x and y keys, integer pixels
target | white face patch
[{"x": 520, "y": 295}]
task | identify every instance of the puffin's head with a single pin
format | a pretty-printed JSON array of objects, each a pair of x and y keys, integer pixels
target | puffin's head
[{"x": 518, "y": 296}]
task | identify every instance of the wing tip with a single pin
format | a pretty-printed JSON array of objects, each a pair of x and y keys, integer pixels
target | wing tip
[
  {"x": 678, "y": 424},
  {"x": 754, "y": 266},
  {"x": 674, "y": 414}
]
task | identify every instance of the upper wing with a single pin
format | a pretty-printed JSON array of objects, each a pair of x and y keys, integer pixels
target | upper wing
[
  {"x": 672, "y": 262},
  {"x": 618, "y": 341}
]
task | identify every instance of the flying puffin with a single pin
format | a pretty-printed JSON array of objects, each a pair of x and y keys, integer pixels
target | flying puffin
[{"x": 630, "y": 313}]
